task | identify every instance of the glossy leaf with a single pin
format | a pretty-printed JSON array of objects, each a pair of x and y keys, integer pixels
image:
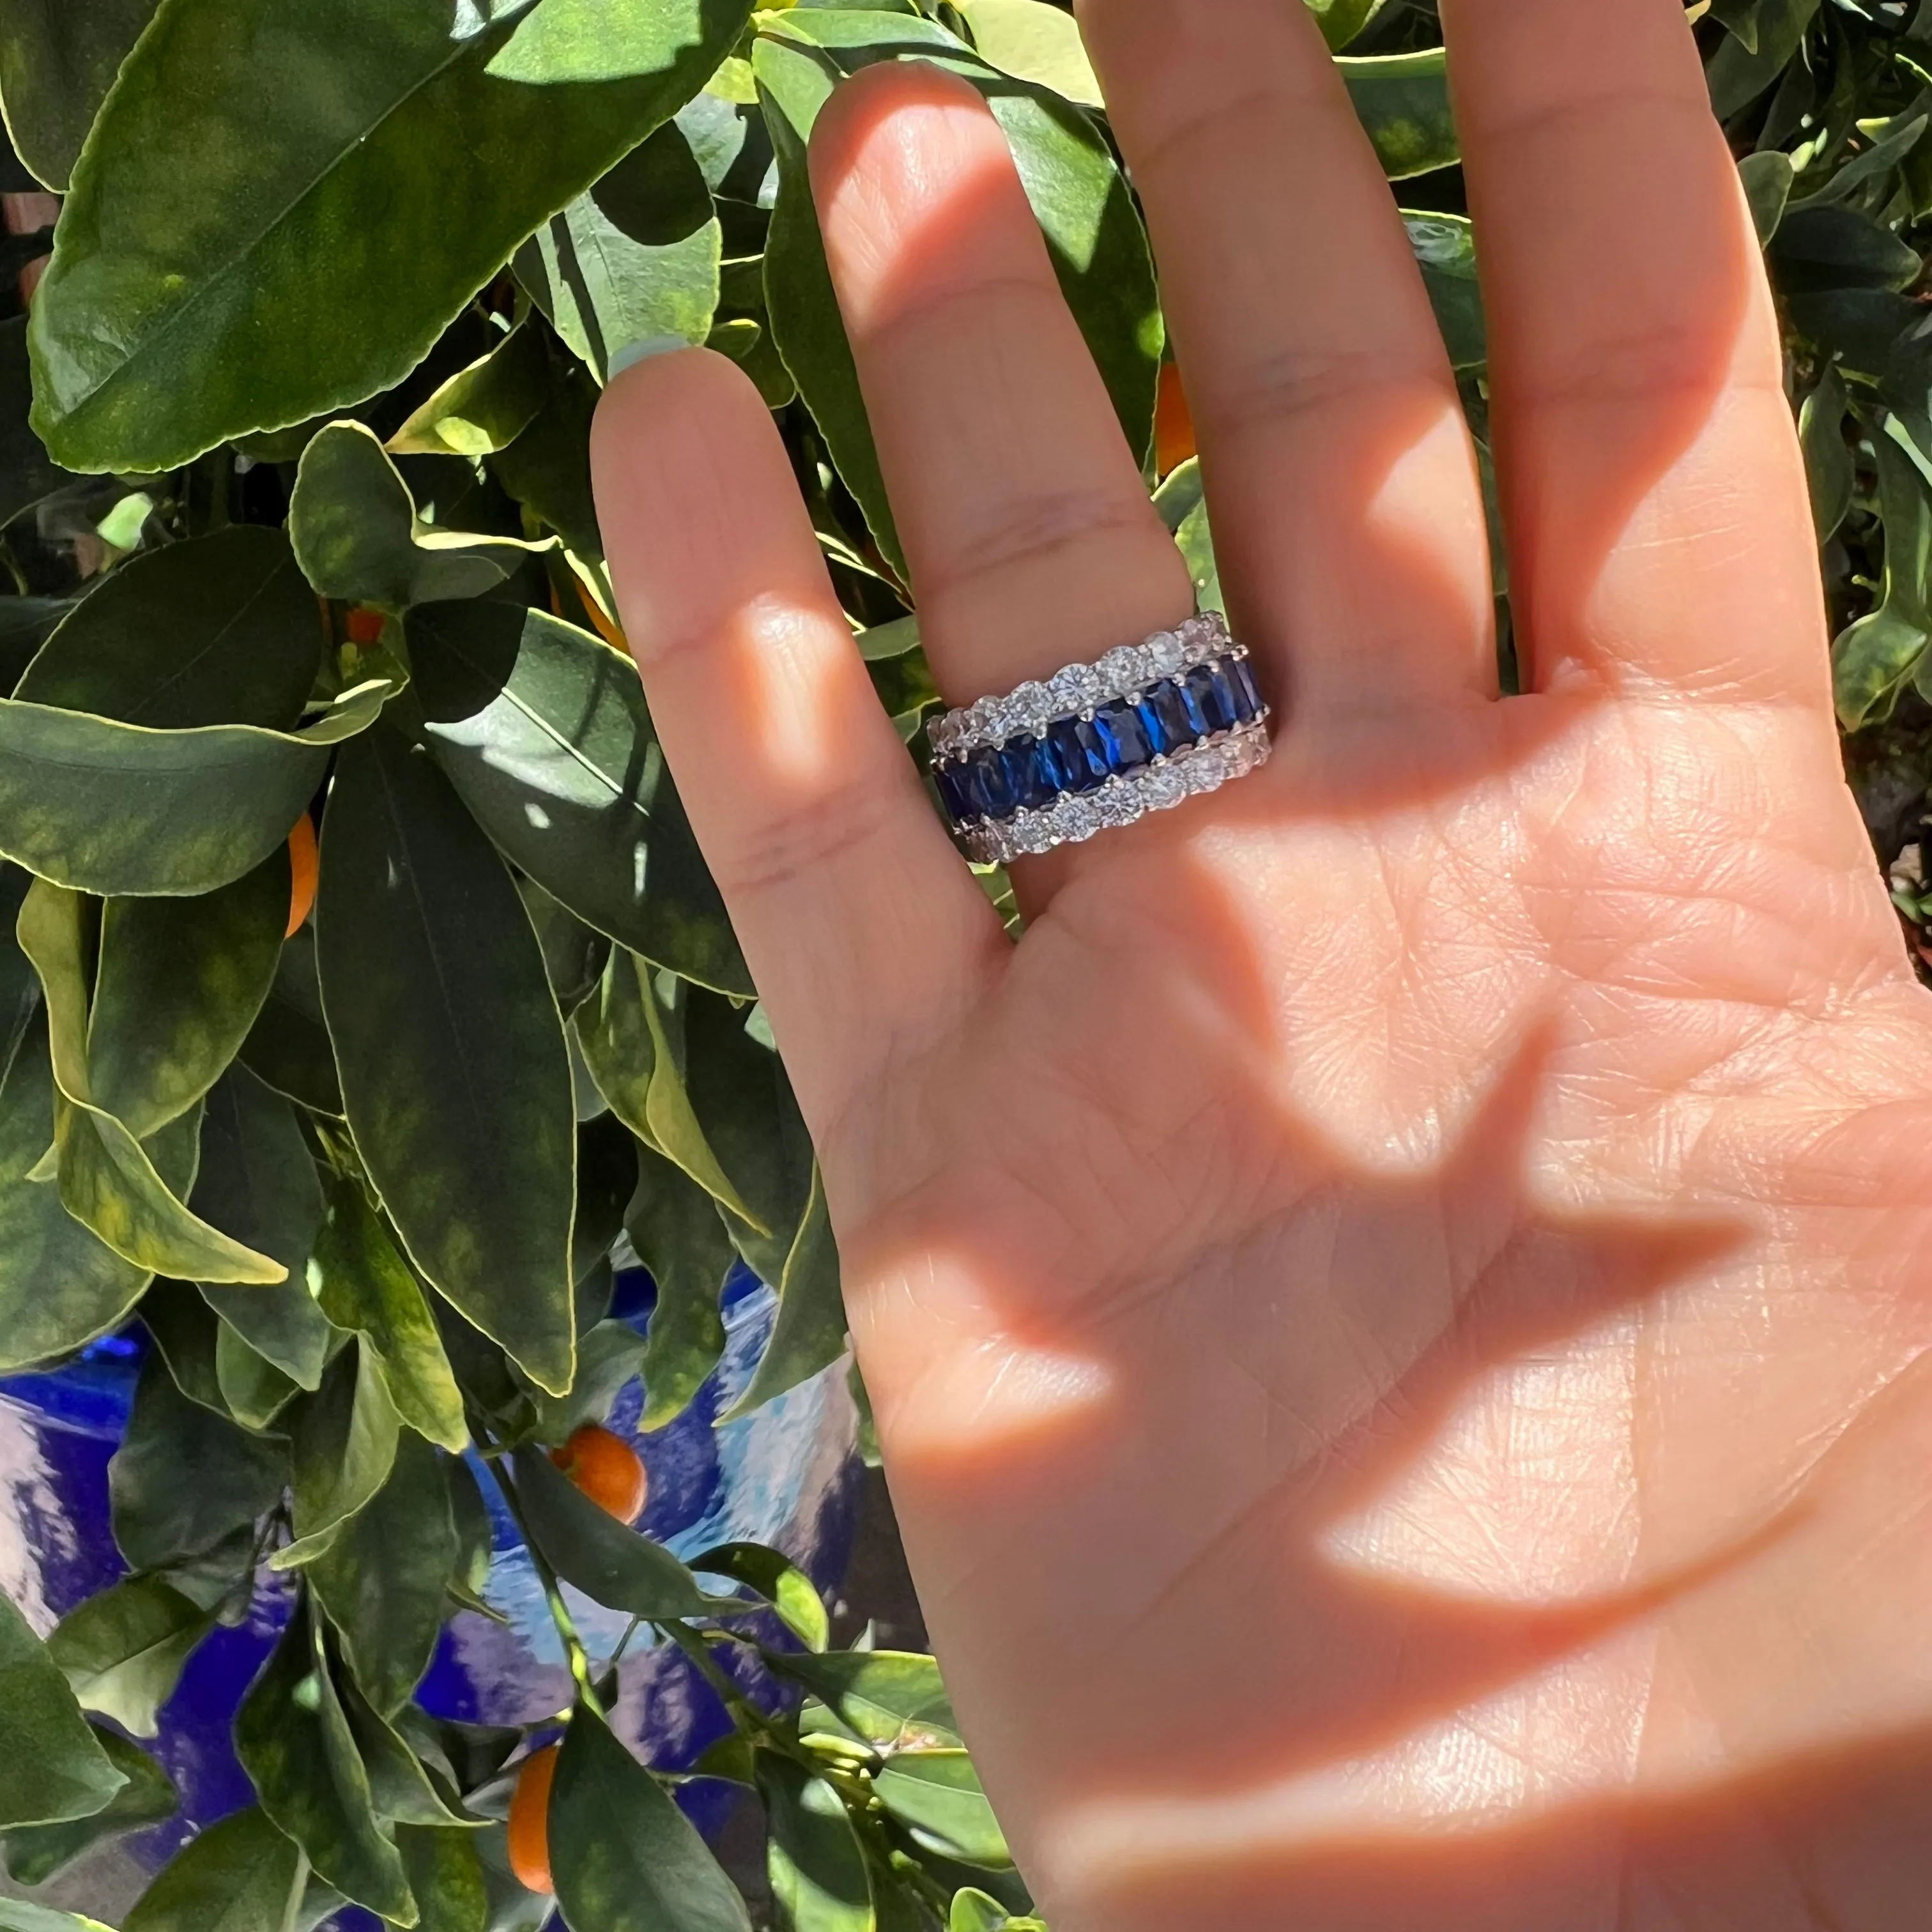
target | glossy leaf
[
  {"x": 608, "y": 1355},
  {"x": 58, "y": 59},
  {"x": 184, "y": 1328},
  {"x": 1445, "y": 251},
  {"x": 245, "y": 286},
  {"x": 123, "y": 1650},
  {"x": 1341, "y": 20},
  {"x": 1875, "y": 658},
  {"x": 779, "y": 1581},
  {"x": 1402, "y": 101},
  {"x": 1034, "y": 42},
  {"x": 60, "y": 1285},
  {"x": 634, "y": 259},
  {"x": 892, "y": 1699},
  {"x": 179, "y": 984},
  {"x": 108, "y": 1179},
  {"x": 484, "y": 408},
  {"x": 936, "y": 1793},
  {"x": 288, "y": 1046},
  {"x": 450, "y": 1049},
  {"x": 1828, "y": 470},
  {"x": 809, "y": 1334},
  {"x": 548, "y": 468},
  {"x": 27, "y": 473},
  {"x": 626, "y": 1859},
  {"x": 358, "y": 537},
  {"x": 381, "y": 1583},
  {"x": 255, "y": 1391},
  {"x": 631, "y": 1039},
  {"x": 363, "y": 1284},
  {"x": 345, "y": 1441},
  {"x": 543, "y": 729},
  {"x": 37, "y": 1853},
  {"x": 217, "y": 630},
  {"x": 612, "y": 1564},
  {"x": 120, "y": 809},
  {"x": 241, "y": 1875},
  {"x": 400, "y": 1787},
  {"x": 446, "y": 1877},
  {"x": 815, "y": 1864},
  {"x": 673, "y": 1225},
  {"x": 21, "y": 1915},
  {"x": 184, "y": 1479},
  {"x": 295, "y": 1744},
  {"x": 53, "y": 1767}
]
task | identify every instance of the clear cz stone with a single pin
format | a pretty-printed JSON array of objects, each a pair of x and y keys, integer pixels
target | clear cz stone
[
  {"x": 1165, "y": 654},
  {"x": 1067, "y": 691},
  {"x": 1163, "y": 787},
  {"x": 1121, "y": 670},
  {"x": 1119, "y": 805}
]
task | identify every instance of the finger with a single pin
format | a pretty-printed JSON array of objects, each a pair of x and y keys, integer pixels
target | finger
[
  {"x": 863, "y": 931},
  {"x": 1025, "y": 521},
  {"x": 1348, "y": 517},
  {"x": 1659, "y": 533}
]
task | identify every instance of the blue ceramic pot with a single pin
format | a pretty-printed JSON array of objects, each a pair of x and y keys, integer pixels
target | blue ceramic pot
[{"x": 786, "y": 1477}]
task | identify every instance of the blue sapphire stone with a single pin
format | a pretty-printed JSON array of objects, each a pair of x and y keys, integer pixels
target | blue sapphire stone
[
  {"x": 1173, "y": 722},
  {"x": 1241, "y": 677},
  {"x": 1032, "y": 771},
  {"x": 953, "y": 790},
  {"x": 1123, "y": 735},
  {"x": 1212, "y": 695},
  {"x": 1079, "y": 754},
  {"x": 988, "y": 786}
]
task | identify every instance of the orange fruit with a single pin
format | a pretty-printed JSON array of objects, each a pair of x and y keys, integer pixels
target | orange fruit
[
  {"x": 607, "y": 1469},
  {"x": 1173, "y": 426},
  {"x": 530, "y": 1820},
  {"x": 303, "y": 859},
  {"x": 601, "y": 624},
  {"x": 363, "y": 625}
]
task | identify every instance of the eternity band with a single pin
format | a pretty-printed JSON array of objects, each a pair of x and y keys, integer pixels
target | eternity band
[{"x": 1147, "y": 727}]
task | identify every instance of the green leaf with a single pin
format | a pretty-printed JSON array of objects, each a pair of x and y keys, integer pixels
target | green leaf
[
  {"x": 1873, "y": 659},
  {"x": 183, "y": 1328},
  {"x": 779, "y": 1581},
  {"x": 810, "y": 1333},
  {"x": 345, "y": 1438},
  {"x": 673, "y": 1225},
  {"x": 626, "y": 1859},
  {"x": 295, "y": 1743},
  {"x": 241, "y": 1875},
  {"x": 631, "y": 1037},
  {"x": 816, "y": 1866},
  {"x": 543, "y": 729},
  {"x": 892, "y": 1699},
  {"x": 357, "y": 538},
  {"x": 217, "y": 630},
  {"x": 381, "y": 1583},
  {"x": 451, "y": 1050},
  {"x": 484, "y": 408},
  {"x": 363, "y": 1285},
  {"x": 184, "y": 1479},
  {"x": 58, "y": 59},
  {"x": 446, "y": 1876},
  {"x": 608, "y": 1353},
  {"x": 179, "y": 984},
  {"x": 400, "y": 1786},
  {"x": 20, "y": 1914},
  {"x": 611, "y": 1564},
  {"x": 1827, "y": 457},
  {"x": 1741, "y": 70},
  {"x": 1767, "y": 179},
  {"x": 255, "y": 1390},
  {"x": 1341, "y": 20},
  {"x": 107, "y": 1179},
  {"x": 36, "y": 1853},
  {"x": 936, "y": 1794},
  {"x": 53, "y": 1767},
  {"x": 1445, "y": 251},
  {"x": 60, "y": 1285},
  {"x": 245, "y": 286},
  {"x": 27, "y": 473},
  {"x": 1035, "y": 42},
  {"x": 120, "y": 809},
  {"x": 1825, "y": 246},
  {"x": 634, "y": 259},
  {"x": 548, "y": 468},
  {"x": 1402, "y": 100},
  {"x": 123, "y": 1650},
  {"x": 288, "y": 1046}
]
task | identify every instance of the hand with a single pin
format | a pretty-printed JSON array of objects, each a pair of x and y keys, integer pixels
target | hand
[{"x": 1397, "y": 1312}]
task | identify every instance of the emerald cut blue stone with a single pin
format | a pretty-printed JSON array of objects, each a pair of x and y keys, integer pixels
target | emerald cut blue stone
[
  {"x": 987, "y": 787},
  {"x": 1166, "y": 705},
  {"x": 1241, "y": 677},
  {"x": 1078, "y": 753},
  {"x": 953, "y": 790},
  {"x": 1030, "y": 771},
  {"x": 1213, "y": 696},
  {"x": 1123, "y": 735}
]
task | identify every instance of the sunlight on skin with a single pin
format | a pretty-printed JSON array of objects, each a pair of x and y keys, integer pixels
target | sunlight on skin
[{"x": 785, "y": 657}]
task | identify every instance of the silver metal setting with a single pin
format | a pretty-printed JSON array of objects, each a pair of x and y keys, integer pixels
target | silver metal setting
[
  {"x": 1080, "y": 688},
  {"x": 1172, "y": 780}
]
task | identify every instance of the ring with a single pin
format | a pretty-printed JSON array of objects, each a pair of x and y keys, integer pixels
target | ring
[{"x": 1147, "y": 727}]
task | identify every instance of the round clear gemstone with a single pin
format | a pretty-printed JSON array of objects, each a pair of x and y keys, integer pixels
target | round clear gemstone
[
  {"x": 1165, "y": 654},
  {"x": 1067, "y": 691},
  {"x": 1033, "y": 833},
  {"x": 1121, "y": 670},
  {"x": 1075, "y": 819},
  {"x": 1164, "y": 787},
  {"x": 1203, "y": 771},
  {"x": 1118, "y": 804},
  {"x": 1033, "y": 707},
  {"x": 980, "y": 717}
]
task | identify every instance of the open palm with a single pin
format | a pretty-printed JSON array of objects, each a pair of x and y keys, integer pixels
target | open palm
[{"x": 1397, "y": 1310}]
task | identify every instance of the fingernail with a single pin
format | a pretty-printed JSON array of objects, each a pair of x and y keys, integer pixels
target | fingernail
[{"x": 642, "y": 350}]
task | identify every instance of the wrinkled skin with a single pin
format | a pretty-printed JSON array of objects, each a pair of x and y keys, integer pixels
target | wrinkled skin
[{"x": 1398, "y": 1311}]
